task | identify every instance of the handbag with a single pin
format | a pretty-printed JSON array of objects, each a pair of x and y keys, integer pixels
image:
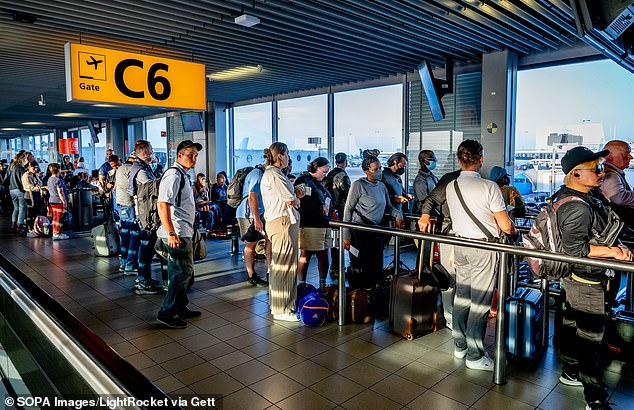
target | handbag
[{"x": 199, "y": 245}]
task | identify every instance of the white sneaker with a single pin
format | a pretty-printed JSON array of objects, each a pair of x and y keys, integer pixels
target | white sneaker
[
  {"x": 31, "y": 234},
  {"x": 287, "y": 317},
  {"x": 484, "y": 363},
  {"x": 459, "y": 354},
  {"x": 60, "y": 237}
]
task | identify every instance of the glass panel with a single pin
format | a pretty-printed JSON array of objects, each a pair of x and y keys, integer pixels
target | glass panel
[
  {"x": 367, "y": 119},
  {"x": 156, "y": 133},
  {"x": 87, "y": 150},
  {"x": 555, "y": 113},
  {"x": 253, "y": 132},
  {"x": 303, "y": 126}
]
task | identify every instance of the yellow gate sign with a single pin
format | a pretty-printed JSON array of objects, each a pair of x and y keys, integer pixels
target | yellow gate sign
[{"x": 95, "y": 74}]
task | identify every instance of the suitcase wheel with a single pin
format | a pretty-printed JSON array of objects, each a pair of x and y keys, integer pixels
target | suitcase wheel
[{"x": 409, "y": 336}]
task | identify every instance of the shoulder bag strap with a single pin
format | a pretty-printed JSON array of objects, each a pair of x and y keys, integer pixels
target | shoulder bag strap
[{"x": 479, "y": 224}]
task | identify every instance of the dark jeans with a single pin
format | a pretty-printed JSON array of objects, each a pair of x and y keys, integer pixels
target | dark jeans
[
  {"x": 129, "y": 238},
  {"x": 367, "y": 268},
  {"x": 581, "y": 335},
  {"x": 147, "y": 241},
  {"x": 180, "y": 269}
]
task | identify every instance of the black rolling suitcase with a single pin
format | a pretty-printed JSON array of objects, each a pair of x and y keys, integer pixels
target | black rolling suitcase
[
  {"x": 414, "y": 299},
  {"x": 524, "y": 318},
  {"x": 105, "y": 239}
]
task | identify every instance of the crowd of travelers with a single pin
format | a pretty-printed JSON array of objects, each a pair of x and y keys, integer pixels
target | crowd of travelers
[{"x": 288, "y": 216}]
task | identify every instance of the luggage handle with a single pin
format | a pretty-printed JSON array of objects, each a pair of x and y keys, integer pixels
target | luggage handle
[{"x": 420, "y": 258}]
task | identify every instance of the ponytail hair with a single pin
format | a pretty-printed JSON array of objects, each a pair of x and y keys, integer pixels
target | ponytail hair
[{"x": 272, "y": 153}]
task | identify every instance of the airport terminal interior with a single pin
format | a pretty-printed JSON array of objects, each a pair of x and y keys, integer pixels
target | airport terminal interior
[{"x": 527, "y": 79}]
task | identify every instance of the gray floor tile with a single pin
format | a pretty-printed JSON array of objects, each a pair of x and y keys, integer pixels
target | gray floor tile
[
  {"x": 306, "y": 400},
  {"x": 364, "y": 373},
  {"x": 281, "y": 359},
  {"x": 245, "y": 399},
  {"x": 369, "y": 399},
  {"x": 251, "y": 372},
  {"x": 397, "y": 389},
  {"x": 334, "y": 360},
  {"x": 430, "y": 400},
  {"x": 460, "y": 390},
  {"x": 307, "y": 373},
  {"x": 337, "y": 388},
  {"x": 276, "y": 387}
]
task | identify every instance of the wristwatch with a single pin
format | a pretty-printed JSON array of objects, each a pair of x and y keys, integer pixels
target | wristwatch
[{"x": 172, "y": 233}]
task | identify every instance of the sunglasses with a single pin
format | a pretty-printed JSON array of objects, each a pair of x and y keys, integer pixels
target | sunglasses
[{"x": 597, "y": 170}]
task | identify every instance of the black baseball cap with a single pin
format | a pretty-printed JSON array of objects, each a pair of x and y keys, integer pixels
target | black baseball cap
[
  {"x": 341, "y": 157},
  {"x": 188, "y": 143},
  {"x": 579, "y": 155}
]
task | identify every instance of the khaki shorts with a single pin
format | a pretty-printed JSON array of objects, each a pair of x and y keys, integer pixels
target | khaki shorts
[
  {"x": 315, "y": 239},
  {"x": 247, "y": 231}
]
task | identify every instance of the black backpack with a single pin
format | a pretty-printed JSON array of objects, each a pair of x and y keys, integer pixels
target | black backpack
[
  {"x": 235, "y": 188},
  {"x": 147, "y": 198}
]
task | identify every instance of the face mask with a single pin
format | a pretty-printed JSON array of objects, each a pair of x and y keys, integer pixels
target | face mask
[
  {"x": 153, "y": 165},
  {"x": 432, "y": 165},
  {"x": 378, "y": 175},
  {"x": 400, "y": 171}
]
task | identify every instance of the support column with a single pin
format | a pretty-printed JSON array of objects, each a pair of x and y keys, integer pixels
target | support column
[
  {"x": 499, "y": 81},
  {"x": 116, "y": 137},
  {"x": 217, "y": 152}
]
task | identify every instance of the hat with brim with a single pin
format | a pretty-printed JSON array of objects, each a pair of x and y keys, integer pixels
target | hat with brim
[
  {"x": 580, "y": 155},
  {"x": 187, "y": 144}
]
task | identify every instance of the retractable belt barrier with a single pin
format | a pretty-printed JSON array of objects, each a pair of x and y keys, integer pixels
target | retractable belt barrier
[{"x": 499, "y": 370}]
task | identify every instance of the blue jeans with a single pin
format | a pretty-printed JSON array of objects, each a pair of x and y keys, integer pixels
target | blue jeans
[
  {"x": 129, "y": 238},
  {"x": 180, "y": 269},
  {"x": 19, "y": 206},
  {"x": 146, "y": 253}
]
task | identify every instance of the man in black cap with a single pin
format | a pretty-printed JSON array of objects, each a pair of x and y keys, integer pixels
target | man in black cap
[
  {"x": 177, "y": 210},
  {"x": 337, "y": 182},
  {"x": 584, "y": 314}
]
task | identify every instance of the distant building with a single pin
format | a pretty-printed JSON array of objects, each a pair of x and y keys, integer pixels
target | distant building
[{"x": 557, "y": 139}]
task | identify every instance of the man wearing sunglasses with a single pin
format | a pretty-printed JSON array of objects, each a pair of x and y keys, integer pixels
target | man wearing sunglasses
[{"x": 584, "y": 318}]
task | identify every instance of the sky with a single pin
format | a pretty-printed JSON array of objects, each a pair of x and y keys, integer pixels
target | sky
[{"x": 561, "y": 98}]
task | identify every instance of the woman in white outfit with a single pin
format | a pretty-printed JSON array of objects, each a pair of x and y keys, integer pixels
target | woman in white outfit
[{"x": 282, "y": 228}]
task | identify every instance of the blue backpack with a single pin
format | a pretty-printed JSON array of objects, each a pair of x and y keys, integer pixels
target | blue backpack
[{"x": 313, "y": 309}]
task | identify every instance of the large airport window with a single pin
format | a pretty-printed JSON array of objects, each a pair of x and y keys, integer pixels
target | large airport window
[
  {"x": 367, "y": 119},
  {"x": 303, "y": 126},
  {"x": 156, "y": 134},
  {"x": 462, "y": 121},
  {"x": 564, "y": 106},
  {"x": 87, "y": 150},
  {"x": 253, "y": 131}
]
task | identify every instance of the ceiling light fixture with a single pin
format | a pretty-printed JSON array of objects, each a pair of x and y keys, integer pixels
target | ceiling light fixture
[
  {"x": 69, "y": 114},
  {"x": 246, "y": 20},
  {"x": 105, "y": 105},
  {"x": 33, "y": 123},
  {"x": 9, "y": 129},
  {"x": 236, "y": 73}
]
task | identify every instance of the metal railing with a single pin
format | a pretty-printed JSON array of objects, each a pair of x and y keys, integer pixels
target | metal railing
[{"x": 499, "y": 371}]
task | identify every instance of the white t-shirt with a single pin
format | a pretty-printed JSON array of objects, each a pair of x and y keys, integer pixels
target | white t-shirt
[
  {"x": 482, "y": 197},
  {"x": 276, "y": 190}
]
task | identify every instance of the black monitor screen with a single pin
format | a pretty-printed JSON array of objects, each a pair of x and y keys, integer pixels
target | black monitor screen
[
  {"x": 192, "y": 121},
  {"x": 427, "y": 78}
]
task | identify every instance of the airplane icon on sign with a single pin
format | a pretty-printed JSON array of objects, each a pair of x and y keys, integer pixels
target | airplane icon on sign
[{"x": 93, "y": 62}]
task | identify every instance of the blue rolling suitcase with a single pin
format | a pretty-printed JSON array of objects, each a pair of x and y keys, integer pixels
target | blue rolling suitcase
[{"x": 524, "y": 316}]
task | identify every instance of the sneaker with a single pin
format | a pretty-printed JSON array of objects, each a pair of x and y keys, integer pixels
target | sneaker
[
  {"x": 188, "y": 314},
  {"x": 598, "y": 405},
  {"x": 31, "y": 234},
  {"x": 287, "y": 317},
  {"x": 142, "y": 287},
  {"x": 173, "y": 322},
  {"x": 570, "y": 379},
  {"x": 483, "y": 363},
  {"x": 459, "y": 354},
  {"x": 60, "y": 237},
  {"x": 129, "y": 272},
  {"x": 255, "y": 280}
]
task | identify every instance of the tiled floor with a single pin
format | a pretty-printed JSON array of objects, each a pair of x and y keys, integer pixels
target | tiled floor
[{"x": 237, "y": 350}]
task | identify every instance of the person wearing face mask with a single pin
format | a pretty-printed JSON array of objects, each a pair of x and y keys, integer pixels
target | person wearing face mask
[
  {"x": 157, "y": 168},
  {"x": 425, "y": 180},
  {"x": 368, "y": 200},
  {"x": 314, "y": 234},
  {"x": 396, "y": 164}
]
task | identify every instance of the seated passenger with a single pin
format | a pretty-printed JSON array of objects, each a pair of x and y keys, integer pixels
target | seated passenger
[
  {"x": 219, "y": 197},
  {"x": 207, "y": 211},
  {"x": 367, "y": 202}
]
